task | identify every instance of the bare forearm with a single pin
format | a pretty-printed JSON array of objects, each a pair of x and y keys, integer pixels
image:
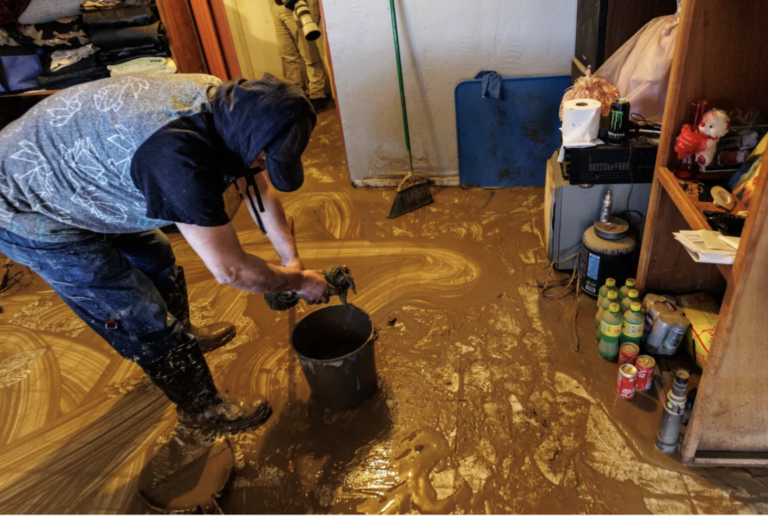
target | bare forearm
[
  {"x": 222, "y": 253},
  {"x": 274, "y": 220},
  {"x": 252, "y": 274}
]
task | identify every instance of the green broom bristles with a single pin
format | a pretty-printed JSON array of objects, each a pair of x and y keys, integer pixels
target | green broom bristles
[{"x": 411, "y": 198}]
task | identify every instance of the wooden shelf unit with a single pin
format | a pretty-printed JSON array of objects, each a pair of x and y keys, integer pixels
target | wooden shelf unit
[
  {"x": 36, "y": 93},
  {"x": 720, "y": 57}
]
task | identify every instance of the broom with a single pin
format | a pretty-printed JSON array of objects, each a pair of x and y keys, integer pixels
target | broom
[{"x": 413, "y": 192}]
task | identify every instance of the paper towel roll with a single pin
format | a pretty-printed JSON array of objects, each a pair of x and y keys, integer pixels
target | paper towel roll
[{"x": 581, "y": 122}]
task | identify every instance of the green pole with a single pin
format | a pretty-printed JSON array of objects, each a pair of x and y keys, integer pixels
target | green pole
[{"x": 400, "y": 79}]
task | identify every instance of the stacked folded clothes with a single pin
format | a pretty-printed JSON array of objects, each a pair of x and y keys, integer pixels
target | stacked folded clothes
[
  {"x": 83, "y": 40},
  {"x": 70, "y": 67},
  {"x": 44, "y": 46},
  {"x": 129, "y": 33},
  {"x": 57, "y": 34},
  {"x": 143, "y": 65}
]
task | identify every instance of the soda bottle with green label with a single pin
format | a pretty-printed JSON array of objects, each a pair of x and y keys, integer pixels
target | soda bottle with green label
[
  {"x": 612, "y": 297},
  {"x": 610, "y": 284},
  {"x": 611, "y": 331},
  {"x": 634, "y": 321},
  {"x": 624, "y": 291},
  {"x": 626, "y": 303}
]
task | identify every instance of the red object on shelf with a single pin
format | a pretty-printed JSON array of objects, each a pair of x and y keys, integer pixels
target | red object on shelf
[{"x": 687, "y": 168}]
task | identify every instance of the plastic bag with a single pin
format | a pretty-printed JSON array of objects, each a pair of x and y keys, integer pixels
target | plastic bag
[{"x": 640, "y": 69}]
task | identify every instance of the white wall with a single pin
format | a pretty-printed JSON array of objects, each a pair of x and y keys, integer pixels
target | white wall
[{"x": 442, "y": 43}]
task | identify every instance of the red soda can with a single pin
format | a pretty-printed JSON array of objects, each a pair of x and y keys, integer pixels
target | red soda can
[
  {"x": 628, "y": 354},
  {"x": 645, "y": 366},
  {"x": 626, "y": 385}
]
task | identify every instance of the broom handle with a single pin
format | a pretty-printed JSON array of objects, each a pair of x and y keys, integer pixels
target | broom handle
[{"x": 400, "y": 79}]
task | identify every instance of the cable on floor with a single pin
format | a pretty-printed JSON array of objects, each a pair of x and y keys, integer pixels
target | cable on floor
[{"x": 545, "y": 286}]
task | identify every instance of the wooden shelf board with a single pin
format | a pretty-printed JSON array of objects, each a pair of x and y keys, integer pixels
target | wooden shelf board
[
  {"x": 692, "y": 209},
  {"x": 36, "y": 93}
]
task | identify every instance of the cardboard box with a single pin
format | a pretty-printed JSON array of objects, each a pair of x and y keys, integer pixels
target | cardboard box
[{"x": 703, "y": 312}]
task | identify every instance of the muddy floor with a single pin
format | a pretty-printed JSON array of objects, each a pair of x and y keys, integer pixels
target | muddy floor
[{"x": 491, "y": 399}]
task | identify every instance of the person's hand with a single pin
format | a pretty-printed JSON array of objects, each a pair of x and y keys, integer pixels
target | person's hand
[
  {"x": 296, "y": 263},
  {"x": 314, "y": 289}
]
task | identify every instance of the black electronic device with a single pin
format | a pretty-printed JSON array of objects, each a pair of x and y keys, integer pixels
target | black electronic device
[{"x": 632, "y": 162}]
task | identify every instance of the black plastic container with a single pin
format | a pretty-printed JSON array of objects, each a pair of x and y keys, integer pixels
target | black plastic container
[{"x": 335, "y": 348}]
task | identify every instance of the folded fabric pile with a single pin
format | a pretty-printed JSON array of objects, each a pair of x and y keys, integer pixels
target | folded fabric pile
[
  {"x": 71, "y": 67},
  {"x": 83, "y": 40},
  {"x": 131, "y": 39},
  {"x": 33, "y": 34},
  {"x": 143, "y": 65}
]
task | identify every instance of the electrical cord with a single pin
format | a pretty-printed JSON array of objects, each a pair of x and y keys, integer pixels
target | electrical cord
[
  {"x": 545, "y": 287},
  {"x": 631, "y": 178}
]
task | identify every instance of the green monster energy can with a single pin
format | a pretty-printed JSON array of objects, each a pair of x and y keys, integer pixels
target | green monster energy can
[{"x": 617, "y": 131}]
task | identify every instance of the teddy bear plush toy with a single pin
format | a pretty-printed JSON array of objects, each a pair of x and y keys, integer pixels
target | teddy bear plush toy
[{"x": 702, "y": 141}]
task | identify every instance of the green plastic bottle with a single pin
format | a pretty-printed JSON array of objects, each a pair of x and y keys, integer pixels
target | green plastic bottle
[
  {"x": 626, "y": 303},
  {"x": 634, "y": 321},
  {"x": 611, "y": 331},
  {"x": 624, "y": 291},
  {"x": 612, "y": 297},
  {"x": 610, "y": 284}
]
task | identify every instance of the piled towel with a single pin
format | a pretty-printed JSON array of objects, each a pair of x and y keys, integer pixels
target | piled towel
[
  {"x": 64, "y": 58},
  {"x": 122, "y": 17},
  {"x": 127, "y": 33},
  {"x": 82, "y": 37},
  {"x": 70, "y": 67},
  {"x": 85, "y": 70},
  {"x": 58, "y": 34},
  {"x": 143, "y": 65},
  {"x": 99, "y": 5}
]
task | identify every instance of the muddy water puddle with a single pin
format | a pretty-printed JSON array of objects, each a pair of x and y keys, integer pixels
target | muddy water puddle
[{"x": 490, "y": 400}]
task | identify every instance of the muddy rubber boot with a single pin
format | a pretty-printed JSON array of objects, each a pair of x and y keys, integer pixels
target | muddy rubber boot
[
  {"x": 209, "y": 337},
  {"x": 183, "y": 375}
]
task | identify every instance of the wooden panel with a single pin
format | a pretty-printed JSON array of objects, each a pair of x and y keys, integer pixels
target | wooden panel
[
  {"x": 728, "y": 72},
  {"x": 209, "y": 37},
  {"x": 626, "y": 17},
  {"x": 665, "y": 265},
  {"x": 182, "y": 36},
  {"x": 225, "y": 38},
  {"x": 731, "y": 411},
  {"x": 649, "y": 235},
  {"x": 36, "y": 93}
]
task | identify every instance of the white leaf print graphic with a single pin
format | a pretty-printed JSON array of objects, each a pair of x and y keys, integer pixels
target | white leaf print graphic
[
  {"x": 110, "y": 98},
  {"x": 85, "y": 160},
  {"x": 106, "y": 211},
  {"x": 71, "y": 105},
  {"x": 36, "y": 179},
  {"x": 53, "y": 211},
  {"x": 123, "y": 141}
]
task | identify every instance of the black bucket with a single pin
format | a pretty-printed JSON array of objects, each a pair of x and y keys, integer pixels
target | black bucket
[{"x": 335, "y": 349}]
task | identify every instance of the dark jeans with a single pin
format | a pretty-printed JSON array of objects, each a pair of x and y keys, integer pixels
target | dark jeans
[{"x": 115, "y": 283}]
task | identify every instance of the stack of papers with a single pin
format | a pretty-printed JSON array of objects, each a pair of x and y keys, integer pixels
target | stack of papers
[{"x": 709, "y": 246}]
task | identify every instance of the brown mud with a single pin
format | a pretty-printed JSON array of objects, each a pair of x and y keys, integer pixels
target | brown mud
[{"x": 491, "y": 399}]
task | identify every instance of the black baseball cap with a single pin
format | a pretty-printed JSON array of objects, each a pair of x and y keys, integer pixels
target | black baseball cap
[{"x": 283, "y": 155}]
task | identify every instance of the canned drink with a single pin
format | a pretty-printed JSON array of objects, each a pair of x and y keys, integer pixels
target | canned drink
[
  {"x": 626, "y": 384},
  {"x": 645, "y": 366},
  {"x": 618, "y": 129},
  {"x": 628, "y": 354}
]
